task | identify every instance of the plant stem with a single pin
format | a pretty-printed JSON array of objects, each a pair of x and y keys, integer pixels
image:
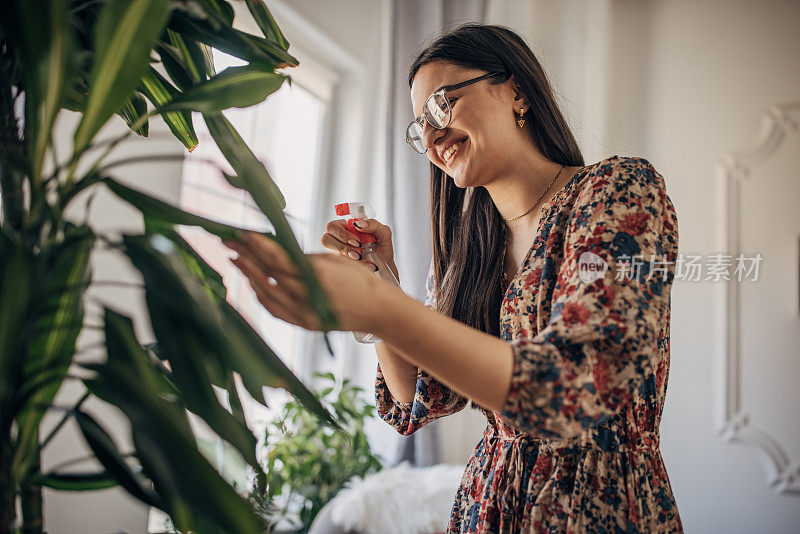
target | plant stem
[
  {"x": 31, "y": 497},
  {"x": 11, "y": 146},
  {"x": 7, "y": 511}
]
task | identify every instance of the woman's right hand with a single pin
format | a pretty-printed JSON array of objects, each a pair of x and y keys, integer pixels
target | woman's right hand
[{"x": 340, "y": 240}]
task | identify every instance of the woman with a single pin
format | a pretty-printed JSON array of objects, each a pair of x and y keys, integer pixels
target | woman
[{"x": 548, "y": 300}]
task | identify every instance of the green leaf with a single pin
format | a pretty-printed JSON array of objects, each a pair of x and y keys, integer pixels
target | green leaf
[
  {"x": 221, "y": 8},
  {"x": 171, "y": 289},
  {"x": 56, "y": 320},
  {"x": 124, "y": 35},
  {"x": 194, "y": 370},
  {"x": 249, "y": 170},
  {"x": 233, "y": 87},
  {"x": 175, "y": 66},
  {"x": 159, "y": 91},
  {"x": 164, "y": 442},
  {"x": 158, "y": 210},
  {"x": 16, "y": 272},
  {"x": 253, "y": 176},
  {"x": 108, "y": 455},
  {"x": 77, "y": 481},
  {"x": 196, "y": 57},
  {"x": 194, "y": 261},
  {"x": 213, "y": 31},
  {"x": 46, "y": 46},
  {"x": 265, "y": 21},
  {"x": 132, "y": 112}
]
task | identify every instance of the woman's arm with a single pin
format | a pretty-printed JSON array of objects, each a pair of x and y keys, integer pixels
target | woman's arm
[
  {"x": 400, "y": 375},
  {"x": 423, "y": 398},
  {"x": 472, "y": 363}
]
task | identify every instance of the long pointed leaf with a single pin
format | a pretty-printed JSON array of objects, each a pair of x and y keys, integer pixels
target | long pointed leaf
[
  {"x": 58, "y": 301},
  {"x": 124, "y": 35},
  {"x": 184, "y": 339},
  {"x": 77, "y": 481},
  {"x": 159, "y": 210},
  {"x": 175, "y": 66},
  {"x": 249, "y": 169},
  {"x": 46, "y": 44},
  {"x": 197, "y": 57},
  {"x": 265, "y": 21},
  {"x": 253, "y": 176},
  {"x": 164, "y": 441},
  {"x": 159, "y": 91},
  {"x": 133, "y": 110},
  {"x": 108, "y": 455},
  {"x": 225, "y": 333},
  {"x": 254, "y": 349},
  {"x": 214, "y": 32},
  {"x": 222, "y": 8},
  {"x": 194, "y": 261},
  {"x": 233, "y": 87}
]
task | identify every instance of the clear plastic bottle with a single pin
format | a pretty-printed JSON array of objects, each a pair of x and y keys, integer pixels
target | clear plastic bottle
[{"x": 369, "y": 251}]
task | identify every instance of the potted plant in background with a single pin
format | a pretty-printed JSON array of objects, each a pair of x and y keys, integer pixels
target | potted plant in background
[
  {"x": 135, "y": 59},
  {"x": 306, "y": 464}
]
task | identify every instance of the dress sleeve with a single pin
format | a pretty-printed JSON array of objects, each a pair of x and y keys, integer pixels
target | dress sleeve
[
  {"x": 432, "y": 399},
  {"x": 601, "y": 342}
]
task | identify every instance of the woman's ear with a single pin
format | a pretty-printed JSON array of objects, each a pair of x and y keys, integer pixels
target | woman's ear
[{"x": 519, "y": 97}]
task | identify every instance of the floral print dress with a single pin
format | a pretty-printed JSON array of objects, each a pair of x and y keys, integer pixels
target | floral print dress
[{"x": 576, "y": 446}]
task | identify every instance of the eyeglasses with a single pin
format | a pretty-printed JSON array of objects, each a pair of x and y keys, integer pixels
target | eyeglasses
[{"x": 437, "y": 111}]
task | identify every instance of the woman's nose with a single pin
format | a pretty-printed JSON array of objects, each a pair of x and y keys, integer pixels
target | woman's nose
[{"x": 430, "y": 135}]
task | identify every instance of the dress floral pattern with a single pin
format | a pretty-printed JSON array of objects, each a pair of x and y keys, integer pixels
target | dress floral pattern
[{"x": 576, "y": 446}]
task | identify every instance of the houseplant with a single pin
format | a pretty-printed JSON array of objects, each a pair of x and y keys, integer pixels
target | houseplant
[
  {"x": 306, "y": 464},
  {"x": 135, "y": 59}
]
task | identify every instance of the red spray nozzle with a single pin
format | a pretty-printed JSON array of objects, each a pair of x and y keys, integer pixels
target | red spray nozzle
[
  {"x": 363, "y": 237},
  {"x": 357, "y": 211}
]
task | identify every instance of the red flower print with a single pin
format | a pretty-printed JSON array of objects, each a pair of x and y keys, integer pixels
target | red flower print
[
  {"x": 635, "y": 223},
  {"x": 574, "y": 312},
  {"x": 534, "y": 278},
  {"x": 600, "y": 375}
]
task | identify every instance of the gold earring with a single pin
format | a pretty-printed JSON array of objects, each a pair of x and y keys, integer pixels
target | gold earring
[{"x": 521, "y": 121}]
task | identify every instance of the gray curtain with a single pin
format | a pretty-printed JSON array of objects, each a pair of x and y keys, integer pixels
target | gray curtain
[{"x": 414, "y": 24}]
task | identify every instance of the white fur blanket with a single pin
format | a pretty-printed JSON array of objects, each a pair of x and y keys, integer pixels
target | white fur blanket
[{"x": 412, "y": 500}]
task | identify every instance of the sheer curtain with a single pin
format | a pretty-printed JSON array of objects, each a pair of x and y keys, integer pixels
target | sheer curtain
[{"x": 414, "y": 23}]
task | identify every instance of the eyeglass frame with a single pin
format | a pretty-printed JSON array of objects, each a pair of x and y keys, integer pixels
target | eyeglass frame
[{"x": 443, "y": 92}]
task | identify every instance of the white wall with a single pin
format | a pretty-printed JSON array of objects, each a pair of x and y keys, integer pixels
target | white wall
[{"x": 713, "y": 67}]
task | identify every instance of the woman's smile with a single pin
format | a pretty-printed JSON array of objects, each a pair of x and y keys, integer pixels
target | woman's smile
[{"x": 453, "y": 152}]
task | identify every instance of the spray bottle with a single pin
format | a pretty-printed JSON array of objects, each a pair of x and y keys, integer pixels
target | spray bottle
[{"x": 361, "y": 211}]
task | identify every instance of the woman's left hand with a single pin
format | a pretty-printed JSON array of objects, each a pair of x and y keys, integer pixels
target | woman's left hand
[{"x": 348, "y": 285}]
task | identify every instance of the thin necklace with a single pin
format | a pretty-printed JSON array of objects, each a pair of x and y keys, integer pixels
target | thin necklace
[
  {"x": 540, "y": 196},
  {"x": 503, "y": 275}
]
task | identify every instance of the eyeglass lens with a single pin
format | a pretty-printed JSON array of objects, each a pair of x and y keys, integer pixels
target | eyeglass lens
[
  {"x": 414, "y": 137},
  {"x": 437, "y": 112}
]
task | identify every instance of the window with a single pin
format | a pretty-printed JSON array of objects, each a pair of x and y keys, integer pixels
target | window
[
  {"x": 285, "y": 133},
  {"x": 293, "y": 134}
]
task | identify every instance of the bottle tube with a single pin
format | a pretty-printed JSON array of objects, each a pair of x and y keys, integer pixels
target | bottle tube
[{"x": 369, "y": 251}]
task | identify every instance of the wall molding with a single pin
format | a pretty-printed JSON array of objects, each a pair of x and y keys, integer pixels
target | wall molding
[{"x": 777, "y": 122}]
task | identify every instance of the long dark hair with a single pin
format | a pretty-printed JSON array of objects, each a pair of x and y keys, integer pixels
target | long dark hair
[{"x": 468, "y": 241}]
